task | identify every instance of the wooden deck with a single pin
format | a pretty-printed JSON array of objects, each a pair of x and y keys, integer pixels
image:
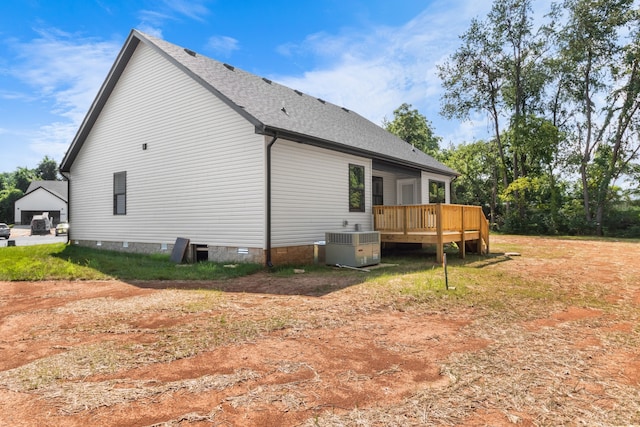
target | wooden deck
[{"x": 434, "y": 224}]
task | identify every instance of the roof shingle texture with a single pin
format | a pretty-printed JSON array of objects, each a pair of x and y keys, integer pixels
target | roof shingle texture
[
  {"x": 272, "y": 105},
  {"x": 59, "y": 188}
]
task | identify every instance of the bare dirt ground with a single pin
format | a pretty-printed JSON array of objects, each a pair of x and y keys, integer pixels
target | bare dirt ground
[{"x": 334, "y": 350}]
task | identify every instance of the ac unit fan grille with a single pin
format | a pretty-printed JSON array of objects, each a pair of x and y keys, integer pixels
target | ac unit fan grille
[{"x": 353, "y": 238}]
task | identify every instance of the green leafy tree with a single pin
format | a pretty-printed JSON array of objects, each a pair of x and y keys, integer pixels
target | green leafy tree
[
  {"x": 22, "y": 177},
  {"x": 47, "y": 169},
  {"x": 414, "y": 128},
  {"x": 533, "y": 197},
  {"x": 479, "y": 182},
  {"x": 524, "y": 71},
  {"x": 535, "y": 144},
  {"x": 5, "y": 181},
  {"x": 590, "y": 49},
  {"x": 473, "y": 79},
  {"x": 623, "y": 123},
  {"x": 8, "y": 198},
  {"x": 534, "y": 141},
  {"x": 500, "y": 70}
]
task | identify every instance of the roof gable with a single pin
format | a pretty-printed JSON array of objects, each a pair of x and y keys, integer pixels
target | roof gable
[
  {"x": 272, "y": 108},
  {"x": 57, "y": 188}
]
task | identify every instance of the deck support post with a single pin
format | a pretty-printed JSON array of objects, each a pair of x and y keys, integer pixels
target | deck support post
[
  {"x": 484, "y": 234},
  {"x": 440, "y": 237},
  {"x": 462, "y": 249}
]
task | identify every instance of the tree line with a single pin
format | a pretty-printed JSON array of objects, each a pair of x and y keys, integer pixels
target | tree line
[
  {"x": 562, "y": 97},
  {"x": 13, "y": 185}
]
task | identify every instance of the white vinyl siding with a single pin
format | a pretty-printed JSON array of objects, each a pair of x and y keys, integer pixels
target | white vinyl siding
[
  {"x": 200, "y": 177},
  {"x": 310, "y": 191},
  {"x": 388, "y": 186}
]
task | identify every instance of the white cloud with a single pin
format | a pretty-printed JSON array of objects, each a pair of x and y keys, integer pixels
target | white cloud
[
  {"x": 222, "y": 45},
  {"x": 52, "y": 140},
  {"x": 193, "y": 9},
  {"x": 65, "y": 69},
  {"x": 373, "y": 73},
  {"x": 65, "y": 72},
  {"x": 152, "y": 20},
  {"x": 151, "y": 30},
  {"x": 61, "y": 74},
  {"x": 12, "y": 95},
  {"x": 477, "y": 127},
  {"x": 374, "y": 70}
]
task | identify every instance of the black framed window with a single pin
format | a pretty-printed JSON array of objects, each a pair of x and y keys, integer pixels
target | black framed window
[
  {"x": 120, "y": 193},
  {"x": 436, "y": 191},
  {"x": 356, "y": 188},
  {"x": 376, "y": 190}
]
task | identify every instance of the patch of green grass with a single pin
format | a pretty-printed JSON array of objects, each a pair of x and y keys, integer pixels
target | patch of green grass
[
  {"x": 43, "y": 262},
  {"x": 208, "y": 300},
  {"x": 425, "y": 288},
  {"x": 66, "y": 262},
  {"x": 420, "y": 283},
  {"x": 414, "y": 280}
]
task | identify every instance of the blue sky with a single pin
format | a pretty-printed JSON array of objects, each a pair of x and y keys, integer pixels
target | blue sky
[{"x": 367, "y": 55}]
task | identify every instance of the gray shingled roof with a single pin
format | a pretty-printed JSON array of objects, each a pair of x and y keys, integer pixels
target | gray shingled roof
[
  {"x": 57, "y": 188},
  {"x": 277, "y": 110}
]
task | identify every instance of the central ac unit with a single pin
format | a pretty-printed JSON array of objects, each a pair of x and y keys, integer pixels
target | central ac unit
[{"x": 355, "y": 249}]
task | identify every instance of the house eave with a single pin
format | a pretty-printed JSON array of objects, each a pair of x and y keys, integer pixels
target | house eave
[
  {"x": 261, "y": 126},
  {"x": 347, "y": 149}
]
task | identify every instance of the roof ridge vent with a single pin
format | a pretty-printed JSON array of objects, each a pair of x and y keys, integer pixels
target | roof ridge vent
[
  {"x": 267, "y": 80},
  {"x": 298, "y": 92},
  {"x": 190, "y": 52},
  {"x": 322, "y": 100},
  {"x": 230, "y": 67}
]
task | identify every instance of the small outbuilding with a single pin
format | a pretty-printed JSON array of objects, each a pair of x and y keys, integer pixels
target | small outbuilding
[{"x": 40, "y": 197}]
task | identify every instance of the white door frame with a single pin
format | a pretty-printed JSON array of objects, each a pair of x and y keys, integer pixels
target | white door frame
[{"x": 401, "y": 183}]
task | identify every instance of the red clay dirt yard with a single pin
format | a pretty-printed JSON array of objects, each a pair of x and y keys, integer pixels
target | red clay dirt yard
[{"x": 550, "y": 337}]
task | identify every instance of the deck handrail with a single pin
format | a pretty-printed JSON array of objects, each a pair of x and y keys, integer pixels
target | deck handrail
[
  {"x": 432, "y": 218},
  {"x": 407, "y": 218}
]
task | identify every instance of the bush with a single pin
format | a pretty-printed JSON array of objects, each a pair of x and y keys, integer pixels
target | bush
[{"x": 622, "y": 221}]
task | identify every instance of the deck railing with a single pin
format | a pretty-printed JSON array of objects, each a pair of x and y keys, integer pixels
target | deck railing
[
  {"x": 432, "y": 218},
  {"x": 405, "y": 219}
]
